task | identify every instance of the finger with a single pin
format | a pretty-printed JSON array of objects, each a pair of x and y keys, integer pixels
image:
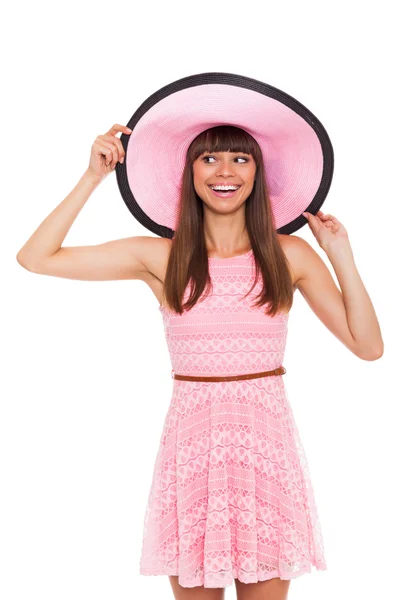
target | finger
[
  {"x": 312, "y": 221},
  {"x": 311, "y": 218},
  {"x": 326, "y": 223},
  {"x": 119, "y": 128},
  {"x": 330, "y": 218},
  {"x": 116, "y": 140},
  {"x": 112, "y": 155},
  {"x": 318, "y": 220},
  {"x": 104, "y": 151},
  {"x": 333, "y": 223}
]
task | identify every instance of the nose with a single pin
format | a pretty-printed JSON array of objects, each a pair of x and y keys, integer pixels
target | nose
[{"x": 225, "y": 168}]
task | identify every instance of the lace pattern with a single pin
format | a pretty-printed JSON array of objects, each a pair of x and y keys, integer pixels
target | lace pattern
[{"x": 231, "y": 495}]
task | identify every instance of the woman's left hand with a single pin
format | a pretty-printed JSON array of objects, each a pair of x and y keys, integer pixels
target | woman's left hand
[{"x": 326, "y": 229}]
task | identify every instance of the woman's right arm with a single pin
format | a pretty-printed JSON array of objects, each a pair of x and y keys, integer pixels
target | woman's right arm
[{"x": 119, "y": 259}]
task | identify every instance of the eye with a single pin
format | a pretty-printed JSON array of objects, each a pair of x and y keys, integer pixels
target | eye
[{"x": 236, "y": 158}]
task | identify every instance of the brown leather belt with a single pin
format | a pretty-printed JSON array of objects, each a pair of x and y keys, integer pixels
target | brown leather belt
[{"x": 278, "y": 371}]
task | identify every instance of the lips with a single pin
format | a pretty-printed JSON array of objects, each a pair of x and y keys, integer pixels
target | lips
[
  {"x": 225, "y": 184},
  {"x": 227, "y": 194}
]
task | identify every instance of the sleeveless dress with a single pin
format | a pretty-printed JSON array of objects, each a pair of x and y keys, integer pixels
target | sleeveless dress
[{"x": 231, "y": 495}]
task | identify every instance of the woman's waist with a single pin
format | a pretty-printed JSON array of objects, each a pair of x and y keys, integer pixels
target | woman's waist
[{"x": 225, "y": 365}]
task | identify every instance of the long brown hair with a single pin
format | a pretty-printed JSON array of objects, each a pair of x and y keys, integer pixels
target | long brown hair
[{"x": 188, "y": 258}]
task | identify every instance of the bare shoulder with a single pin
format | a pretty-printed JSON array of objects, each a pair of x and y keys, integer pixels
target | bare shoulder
[
  {"x": 156, "y": 258},
  {"x": 298, "y": 252}
]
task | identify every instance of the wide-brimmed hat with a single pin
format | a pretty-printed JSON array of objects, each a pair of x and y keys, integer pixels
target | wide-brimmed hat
[{"x": 296, "y": 149}]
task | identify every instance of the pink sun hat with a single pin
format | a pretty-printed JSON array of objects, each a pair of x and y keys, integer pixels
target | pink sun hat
[{"x": 297, "y": 152}]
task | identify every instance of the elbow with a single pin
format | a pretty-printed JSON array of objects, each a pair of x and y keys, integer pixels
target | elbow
[
  {"x": 21, "y": 261},
  {"x": 372, "y": 355}
]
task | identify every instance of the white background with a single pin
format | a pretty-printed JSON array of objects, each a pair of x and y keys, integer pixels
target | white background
[{"x": 86, "y": 383}]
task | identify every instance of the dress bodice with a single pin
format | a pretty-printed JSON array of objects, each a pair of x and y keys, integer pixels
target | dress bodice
[{"x": 223, "y": 334}]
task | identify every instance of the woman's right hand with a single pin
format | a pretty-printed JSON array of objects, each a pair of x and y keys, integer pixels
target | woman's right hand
[{"x": 106, "y": 151}]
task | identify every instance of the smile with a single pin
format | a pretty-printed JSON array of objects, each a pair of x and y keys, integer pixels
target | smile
[{"x": 224, "y": 191}]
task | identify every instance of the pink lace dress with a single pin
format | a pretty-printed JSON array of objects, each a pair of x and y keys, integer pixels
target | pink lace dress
[{"x": 231, "y": 495}]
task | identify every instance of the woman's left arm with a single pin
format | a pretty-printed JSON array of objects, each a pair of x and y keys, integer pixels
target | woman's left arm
[{"x": 348, "y": 313}]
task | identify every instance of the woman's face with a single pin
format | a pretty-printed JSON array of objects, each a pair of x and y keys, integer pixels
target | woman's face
[{"x": 224, "y": 168}]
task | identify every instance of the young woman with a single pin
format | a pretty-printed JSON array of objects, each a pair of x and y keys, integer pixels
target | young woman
[{"x": 231, "y": 497}]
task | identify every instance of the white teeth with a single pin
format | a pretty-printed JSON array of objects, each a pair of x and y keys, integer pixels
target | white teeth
[{"x": 225, "y": 187}]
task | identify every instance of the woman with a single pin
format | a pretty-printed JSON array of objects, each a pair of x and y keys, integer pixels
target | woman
[{"x": 231, "y": 497}]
